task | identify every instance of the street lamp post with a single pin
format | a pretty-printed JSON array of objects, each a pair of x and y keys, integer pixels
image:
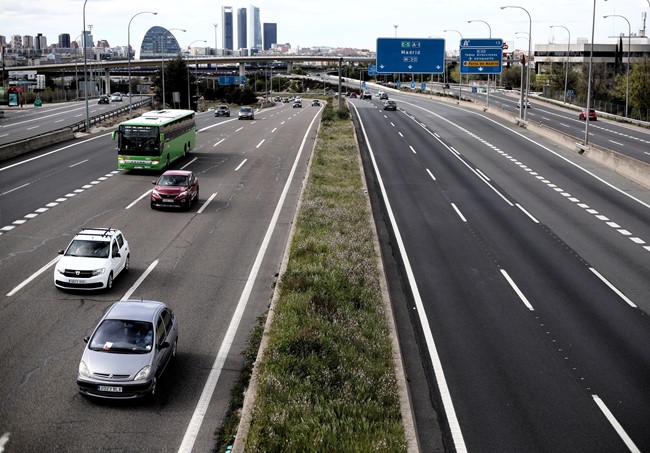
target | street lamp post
[
  {"x": 189, "y": 97},
  {"x": 84, "y": 39},
  {"x": 129, "y": 51},
  {"x": 396, "y": 28},
  {"x": 522, "y": 106},
  {"x": 591, "y": 61},
  {"x": 530, "y": 27},
  {"x": 487, "y": 102},
  {"x": 566, "y": 68},
  {"x": 627, "y": 78},
  {"x": 162, "y": 62},
  {"x": 460, "y": 76}
]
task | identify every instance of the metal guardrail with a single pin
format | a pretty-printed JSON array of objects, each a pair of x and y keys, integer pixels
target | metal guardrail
[{"x": 81, "y": 125}]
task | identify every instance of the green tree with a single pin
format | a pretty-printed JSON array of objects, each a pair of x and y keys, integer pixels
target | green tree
[
  {"x": 176, "y": 80},
  {"x": 640, "y": 89}
]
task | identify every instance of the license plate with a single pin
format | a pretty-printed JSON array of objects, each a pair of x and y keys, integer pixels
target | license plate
[
  {"x": 76, "y": 281},
  {"x": 108, "y": 388},
  {"x": 165, "y": 200}
]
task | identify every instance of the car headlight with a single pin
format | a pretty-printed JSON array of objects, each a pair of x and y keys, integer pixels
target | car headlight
[
  {"x": 183, "y": 193},
  {"x": 83, "y": 369},
  {"x": 60, "y": 270},
  {"x": 98, "y": 271},
  {"x": 155, "y": 193},
  {"x": 142, "y": 374}
]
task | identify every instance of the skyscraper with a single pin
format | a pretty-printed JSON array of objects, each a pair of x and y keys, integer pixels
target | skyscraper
[
  {"x": 255, "y": 29},
  {"x": 241, "y": 29},
  {"x": 226, "y": 20},
  {"x": 64, "y": 40},
  {"x": 270, "y": 35}
]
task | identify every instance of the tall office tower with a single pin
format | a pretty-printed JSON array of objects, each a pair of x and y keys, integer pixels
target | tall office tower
[
  {"x": 40, "y": 42},
  {"x": 270, "y": 35},
  {"x": 28, "y": 42},
  {"x": 241, "y": 28},
  {"x": 255, "y": 29},
  {"x": 226, "y": 20},
  {"x": 64, "y": 40}
]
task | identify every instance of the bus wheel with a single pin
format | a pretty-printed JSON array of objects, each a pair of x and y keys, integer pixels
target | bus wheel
[
  {"x": 185, "y": 151},
  {"x": 167, "y": 162}
]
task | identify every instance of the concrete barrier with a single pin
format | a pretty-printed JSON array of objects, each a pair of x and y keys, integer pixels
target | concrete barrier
[{"x": 31, "y": 144}]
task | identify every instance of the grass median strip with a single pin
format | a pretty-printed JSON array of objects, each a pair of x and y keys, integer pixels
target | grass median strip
[{"x": 327, "y": 379}]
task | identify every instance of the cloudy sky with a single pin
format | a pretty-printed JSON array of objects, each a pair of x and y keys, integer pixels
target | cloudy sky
[{"x": 333, "y": 23}]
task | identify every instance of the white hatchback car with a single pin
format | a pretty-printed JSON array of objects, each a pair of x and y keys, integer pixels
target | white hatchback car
[{"x": 92, "y": 260}]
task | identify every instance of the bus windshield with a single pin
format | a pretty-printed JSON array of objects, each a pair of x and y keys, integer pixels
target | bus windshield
[{"x": 140, "y": 140}]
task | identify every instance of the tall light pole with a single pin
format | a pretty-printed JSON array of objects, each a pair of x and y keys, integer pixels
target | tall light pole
[
  {"x": 162, "y": 62},
  {"x": 128, "y": 49},
  {"x": 84, "y": 39},
  {"x": 591, "y": 61},
  {"x": 487, "y": 102},
  {"x": 522, "y": 106},
  {"x": 460, "y": 76},
  {"x": 566, "y": 68},
  {"x": 215, "y": 39},
  {"x": 189, "y": 98},
  {"x": 396, "y": 28},
  {"x": 627, "y": 78},
  {"x": 530, "y": 27}
]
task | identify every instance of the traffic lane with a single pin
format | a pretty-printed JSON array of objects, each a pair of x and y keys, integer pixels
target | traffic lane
[
  {"x": 39, "y": 121},
  {"x": 29, "y": 183},
  {"x": 229, "y": 267},
  {"x": 626, "y": 139},
  {"x": 589, "y": 323},
  {"x": 450, "y": 289},
  {"x": 584, "y": 203}
]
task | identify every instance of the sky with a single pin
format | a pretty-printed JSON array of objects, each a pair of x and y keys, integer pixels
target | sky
[{"x": 330, "y": 23}]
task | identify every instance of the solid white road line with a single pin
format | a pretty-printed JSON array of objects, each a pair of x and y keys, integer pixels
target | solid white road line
[
  {"x": 207, "y": 202},
  {"x": 138, "y": 199},
  {"x": 241, "y": 165},
  {"x": 516, "y": 288},
  {"x": 613, "y": 288},
  {"x": 617, "y": 426},
  {"x": 140, "y": 280},
  {"x": 32, "y": 277}
]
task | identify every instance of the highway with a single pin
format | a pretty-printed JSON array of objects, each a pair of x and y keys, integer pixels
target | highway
[
  {"x": 521, "y": 268},
  {"x": 215, "y": 266},
  {"x": 517, "y": 270}
]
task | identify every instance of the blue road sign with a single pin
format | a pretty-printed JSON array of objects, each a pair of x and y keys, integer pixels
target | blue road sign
[
  {"x": 423, "y": 85},
  {"x": 363, "y": 84},
  {"x": 481, "y": 56},
  {"x": 412, "y": 84},
  {"x": 372, "y": 69},
  {"x": 411, "y": 55},
  {"x": 232, "y": 80},
  {"x": 399, "y": 84}
]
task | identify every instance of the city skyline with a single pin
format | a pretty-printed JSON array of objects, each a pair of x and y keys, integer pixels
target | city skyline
[{"x": 331, "y": 24}]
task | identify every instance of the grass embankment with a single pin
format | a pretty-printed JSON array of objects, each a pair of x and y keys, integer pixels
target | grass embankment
[{"x": 327, "y": 379}]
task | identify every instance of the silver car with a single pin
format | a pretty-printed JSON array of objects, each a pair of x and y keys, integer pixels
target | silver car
[
  {"x": 246, "y": 113},
  {"x": 128, "y": 350}
]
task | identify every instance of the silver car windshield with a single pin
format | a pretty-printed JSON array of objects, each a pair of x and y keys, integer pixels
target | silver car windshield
[{"x": 123, "y": 336}]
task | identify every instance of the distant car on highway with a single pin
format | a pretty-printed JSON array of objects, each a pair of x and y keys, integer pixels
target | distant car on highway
[
  {"x": 297, "y": 103},
  {"x": 222, "y": 110},
  {"x": 116, "y": 97},
  {"x": 315, "y": 103},
  {"x": 592, "y": 115},
  {"x": 382, "y": 96},
  {"x": 526, "y": 103},
  {"x": 246, "y": 113},
  {"x": 128, "y": 350},
  {"x": 103, "y": 99},
  {"x": 390, "y": 105},
  {"x": 366, "y": 95}
]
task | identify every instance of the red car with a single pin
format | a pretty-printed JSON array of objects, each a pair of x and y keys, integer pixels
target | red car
[
  {"x": 592, "y": 115},
  {"x": 175, "y": 189}
]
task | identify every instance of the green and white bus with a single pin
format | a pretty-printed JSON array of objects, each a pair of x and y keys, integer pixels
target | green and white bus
[{"x": 155, "y": 140}]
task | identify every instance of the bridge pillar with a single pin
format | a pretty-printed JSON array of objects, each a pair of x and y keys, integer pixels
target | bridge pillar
[
  {"x": 107, "y": 81},
  {"x": 242, "y": 69},
  {"x": 289, "y": 67}
]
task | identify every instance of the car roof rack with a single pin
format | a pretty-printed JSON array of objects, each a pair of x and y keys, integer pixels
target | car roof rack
[{"x": 106, "y": 232}]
